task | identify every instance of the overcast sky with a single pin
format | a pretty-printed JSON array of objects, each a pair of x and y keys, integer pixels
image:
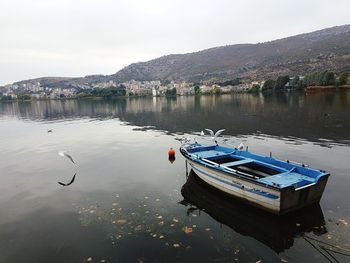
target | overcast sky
[{"x": 81, "y": 37}]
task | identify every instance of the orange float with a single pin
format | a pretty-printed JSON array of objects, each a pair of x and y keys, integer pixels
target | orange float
[{"x": 171, "y": 152}]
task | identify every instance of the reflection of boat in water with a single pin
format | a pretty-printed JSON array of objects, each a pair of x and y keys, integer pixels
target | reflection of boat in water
[
  {"x": 276, "y": 232},
  {"x": 266, "y": 182}
]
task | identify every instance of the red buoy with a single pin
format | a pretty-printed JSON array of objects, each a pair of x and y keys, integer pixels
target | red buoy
[{"x": 171, "y": 152}]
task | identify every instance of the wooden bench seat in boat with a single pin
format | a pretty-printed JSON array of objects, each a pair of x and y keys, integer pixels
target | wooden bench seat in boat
[{"x": 236, "y": 163}]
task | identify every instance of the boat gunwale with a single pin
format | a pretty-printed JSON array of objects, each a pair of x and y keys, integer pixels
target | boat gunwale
[
  {"x": 249, "y": 178},
  {"x": 244, "y": 178}
]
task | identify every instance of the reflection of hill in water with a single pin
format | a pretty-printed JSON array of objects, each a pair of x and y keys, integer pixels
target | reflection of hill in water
[
  {"x": 278, "y": 233},
  {"x": 311, "y": 117}
]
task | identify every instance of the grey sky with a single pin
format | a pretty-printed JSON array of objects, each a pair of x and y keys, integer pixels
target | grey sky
[{"x": 81, "y": 37}]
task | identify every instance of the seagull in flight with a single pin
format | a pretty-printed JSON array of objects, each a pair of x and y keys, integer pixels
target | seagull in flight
[
  {"x": 71, "y": 181},
  {"x": 63, "y": 153},
  {"x": 217, "y": 134}
]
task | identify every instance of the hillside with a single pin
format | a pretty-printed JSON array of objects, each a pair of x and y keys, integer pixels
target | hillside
[{"x": 327, "y": 49}]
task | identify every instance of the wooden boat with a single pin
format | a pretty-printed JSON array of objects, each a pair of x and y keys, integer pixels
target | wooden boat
[
  {"x": 277, "y": 232},
  {"x": 265, "y": 182}
]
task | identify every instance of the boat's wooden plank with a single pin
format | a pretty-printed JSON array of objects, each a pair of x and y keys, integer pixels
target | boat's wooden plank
[{"x": 245, "y": 161}]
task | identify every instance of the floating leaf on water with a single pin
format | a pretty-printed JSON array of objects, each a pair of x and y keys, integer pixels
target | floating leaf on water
[
  {"x": 187, "y": 230},
  {"x": 122, "y": 221},
  {"x": 343, "y": 222}
]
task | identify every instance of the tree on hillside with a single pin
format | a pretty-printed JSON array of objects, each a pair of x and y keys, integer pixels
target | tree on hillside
[
  {"x": 170, "y": 92},
  {"x": 217, "y": 91},
  {"x": 294, "y": 82},
  {"x": 281, "y": 82},
  {"x": 269, "y": 85},
  {"x": 197, "y": 90},
  {"x": 254, "y": 89},
  {"x": 343, "y": 79},
  {"x": 324, "y": 78},
  {"x": 231, "y": 82},
  {"x": 327, "y": 78}
]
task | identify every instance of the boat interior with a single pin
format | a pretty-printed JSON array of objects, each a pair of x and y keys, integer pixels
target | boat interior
[
  {"x": 265, "y": 169},
  {"x": 246, "y": 165}
]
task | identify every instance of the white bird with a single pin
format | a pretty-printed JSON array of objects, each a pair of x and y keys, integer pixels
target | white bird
[
  {"x": 202, "y": 133},
  {"x": 63, "y": 153},
  {"x": 217, "y": 134},
  {"x": 187, "y": 139},
  {"x": 241, "y": 146}
]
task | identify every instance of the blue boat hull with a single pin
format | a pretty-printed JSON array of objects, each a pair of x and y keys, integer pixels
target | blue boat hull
[{"x": 272, "y": 188}]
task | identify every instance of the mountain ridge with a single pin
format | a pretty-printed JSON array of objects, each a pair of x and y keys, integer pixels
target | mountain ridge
[
  {"x": 325, "y": 49},
  {"x": 245, "y": 60}
]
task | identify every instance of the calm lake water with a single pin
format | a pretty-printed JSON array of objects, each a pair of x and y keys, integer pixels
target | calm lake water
[{"x": 128, "y": 203}]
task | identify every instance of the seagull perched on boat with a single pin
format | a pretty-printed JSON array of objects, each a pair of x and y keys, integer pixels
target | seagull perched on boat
[
  {"x": 63, "y": 153},
  {"x": 202, "y": 133},
  {"x": 71, "y": 181},
  {"x": 241, "y": 146}
]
